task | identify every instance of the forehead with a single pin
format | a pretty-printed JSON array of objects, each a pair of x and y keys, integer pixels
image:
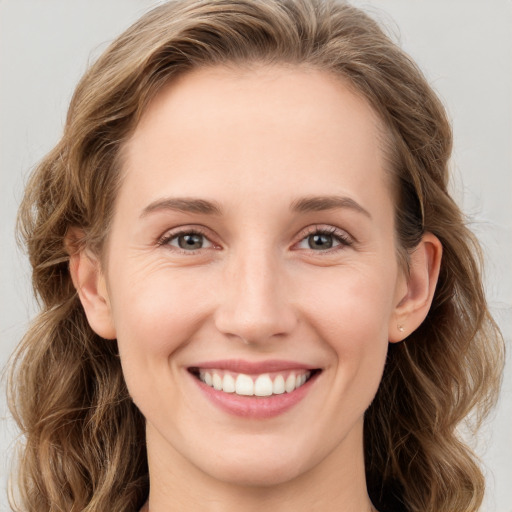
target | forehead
[{"x": 283, "y": 127}]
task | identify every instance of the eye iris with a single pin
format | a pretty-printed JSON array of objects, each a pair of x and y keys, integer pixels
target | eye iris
[
  {"x": 190, "y": 241},
  {"x": 320, "y": 241}
]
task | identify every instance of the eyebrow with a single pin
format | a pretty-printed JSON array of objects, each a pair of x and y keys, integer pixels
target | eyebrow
[
  {"x": 183, "y": 204},
  {"x": 301, "y": 205},
  {"x": 322, "y": 203}
]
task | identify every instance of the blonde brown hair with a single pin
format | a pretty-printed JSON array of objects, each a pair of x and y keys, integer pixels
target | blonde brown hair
[{"x": 83, "y": 437}]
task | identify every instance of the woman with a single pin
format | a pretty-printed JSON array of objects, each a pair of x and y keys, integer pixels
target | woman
[{"x": 256, "y": 288}]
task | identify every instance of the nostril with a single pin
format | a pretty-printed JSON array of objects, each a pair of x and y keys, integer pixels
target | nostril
[{"x": 253, "y": 328}]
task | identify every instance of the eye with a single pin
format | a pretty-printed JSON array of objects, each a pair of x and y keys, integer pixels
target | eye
[
  {"x": 187, "y": 241},
  {"x": 322, "y": 239}
]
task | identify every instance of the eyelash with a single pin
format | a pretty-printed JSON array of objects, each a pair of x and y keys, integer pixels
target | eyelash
[
  {"x": 169, "y": 236},
  {"x": 340, "y": 236}
]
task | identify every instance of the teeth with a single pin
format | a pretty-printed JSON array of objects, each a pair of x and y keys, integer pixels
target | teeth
[
  {"x": 228, "y": 384},
  {"x": 278, "y": 386},
  {"x": 289, "y": 385},
  {"x": 217, "y": 381},
  {"x": 261, "y": 385},
  {"x": 244, "y": 385}
]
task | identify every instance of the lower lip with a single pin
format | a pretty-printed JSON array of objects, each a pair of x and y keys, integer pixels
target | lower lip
[{"x": 252, "y": 406}]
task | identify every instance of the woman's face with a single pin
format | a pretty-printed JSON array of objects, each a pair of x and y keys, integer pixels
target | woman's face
[{"x": 252, "y": 247}]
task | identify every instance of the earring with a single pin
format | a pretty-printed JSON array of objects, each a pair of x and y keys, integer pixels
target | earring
[{"x": 401, "y": 328}]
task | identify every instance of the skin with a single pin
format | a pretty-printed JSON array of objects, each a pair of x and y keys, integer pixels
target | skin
[{"x": 255, "y": 141}]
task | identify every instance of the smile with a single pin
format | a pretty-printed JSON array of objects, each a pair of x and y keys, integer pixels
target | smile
[
  {"x": 262, "y": 385},
  {"x": 254, "y": 390}
]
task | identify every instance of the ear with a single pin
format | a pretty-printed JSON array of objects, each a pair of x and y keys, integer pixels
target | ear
[
  {"x": 90, "y": 284},
  {"x": 413, "y": 305}
]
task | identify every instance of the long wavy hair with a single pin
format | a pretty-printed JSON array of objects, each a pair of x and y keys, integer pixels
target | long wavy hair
[{"x": 83, "y": 439}]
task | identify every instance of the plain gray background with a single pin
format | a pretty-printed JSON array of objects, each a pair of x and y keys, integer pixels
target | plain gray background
[{"x": 465, "y": 49}]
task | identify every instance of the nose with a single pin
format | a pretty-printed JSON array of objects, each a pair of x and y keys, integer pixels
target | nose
[{"x": 254, "y": 305}]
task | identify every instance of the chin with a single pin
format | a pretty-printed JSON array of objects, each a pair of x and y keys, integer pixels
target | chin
[
  {"x": 263, "y": 466},
  {"x": 255, "y": 475}
]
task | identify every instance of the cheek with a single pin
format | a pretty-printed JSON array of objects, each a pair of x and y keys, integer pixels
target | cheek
[
  {"x": 155, "y": 313},
  {"x": 351, "y": 315},
  {"x": 353, "y": 307},
  {"x": 155, "y": 316}
]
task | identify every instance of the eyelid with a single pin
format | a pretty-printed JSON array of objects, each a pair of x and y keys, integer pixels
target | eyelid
[
  {"x": 164, "y": 239},
  {"x": 344, "y": 238}
]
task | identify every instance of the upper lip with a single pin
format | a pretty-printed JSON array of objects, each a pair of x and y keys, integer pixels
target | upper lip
[{"x": 251, "y": 367}]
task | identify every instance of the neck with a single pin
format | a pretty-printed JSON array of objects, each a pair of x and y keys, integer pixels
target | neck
[{"x": 337, "y": 483}]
